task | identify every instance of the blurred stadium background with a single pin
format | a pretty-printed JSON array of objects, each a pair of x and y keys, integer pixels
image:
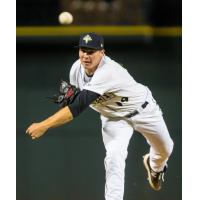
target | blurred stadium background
[{"x": 67, "y": 163}]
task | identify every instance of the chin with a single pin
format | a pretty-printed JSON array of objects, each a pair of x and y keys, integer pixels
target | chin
[{"x": 87, "y": 66}]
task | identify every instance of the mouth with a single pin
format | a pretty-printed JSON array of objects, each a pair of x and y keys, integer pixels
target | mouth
[{"x": 86, "y": 63}]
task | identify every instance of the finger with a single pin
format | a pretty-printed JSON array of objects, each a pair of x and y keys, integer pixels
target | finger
[
  {"x": 31, "y": 133},
  {"x": 27, "y": 130},
  {"x": 34, "y": 137}
]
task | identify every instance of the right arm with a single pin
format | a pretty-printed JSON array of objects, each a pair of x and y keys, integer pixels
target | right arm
[
  {"x": 61, "y": 117},
  {"x": 64, "y": 115}
]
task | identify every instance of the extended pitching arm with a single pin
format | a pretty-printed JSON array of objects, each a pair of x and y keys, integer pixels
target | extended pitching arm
[{"x": 61, "y": 117}]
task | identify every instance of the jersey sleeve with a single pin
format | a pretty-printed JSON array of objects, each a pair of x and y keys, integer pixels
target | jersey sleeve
[
  {"x": 82, "y": 101},
  {"x": 101, "y": 82}
]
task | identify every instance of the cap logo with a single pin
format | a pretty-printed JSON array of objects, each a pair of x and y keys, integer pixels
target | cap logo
[{"x": 87, "y": 38}]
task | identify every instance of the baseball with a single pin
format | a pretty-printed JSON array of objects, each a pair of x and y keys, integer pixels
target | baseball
[{"x": 65, "y": 18}]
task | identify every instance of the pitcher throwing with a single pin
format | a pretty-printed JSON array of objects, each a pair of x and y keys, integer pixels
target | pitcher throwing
[{"x": 124, "y": 106}]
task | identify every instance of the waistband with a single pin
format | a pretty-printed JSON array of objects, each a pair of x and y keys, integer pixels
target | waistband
[{"x": 136, "y": 111}]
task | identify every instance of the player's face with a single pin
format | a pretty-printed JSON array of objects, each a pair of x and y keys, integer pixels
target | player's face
[{"x": 90, "y": 58}]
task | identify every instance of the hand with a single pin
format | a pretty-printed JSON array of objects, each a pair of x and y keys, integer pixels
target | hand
[{"x": 36, "y": 130}]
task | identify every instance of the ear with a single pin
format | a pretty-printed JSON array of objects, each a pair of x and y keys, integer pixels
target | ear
[{"x": 103, "y": 51}]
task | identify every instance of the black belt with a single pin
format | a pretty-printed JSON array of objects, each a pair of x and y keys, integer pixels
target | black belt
[{"x": 136, "y": 111}]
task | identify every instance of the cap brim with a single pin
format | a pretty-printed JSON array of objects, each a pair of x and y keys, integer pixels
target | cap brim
[{"x": 88, "y": 47}]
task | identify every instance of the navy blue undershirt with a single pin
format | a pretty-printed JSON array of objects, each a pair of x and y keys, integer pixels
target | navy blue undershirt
[{"x": 82, "y": 101}]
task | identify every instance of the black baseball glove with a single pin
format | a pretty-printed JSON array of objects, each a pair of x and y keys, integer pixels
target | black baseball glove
[{"x": 67, "y": 94}]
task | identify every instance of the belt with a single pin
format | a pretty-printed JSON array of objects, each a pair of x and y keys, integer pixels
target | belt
[{"x": 136, "y": 111}]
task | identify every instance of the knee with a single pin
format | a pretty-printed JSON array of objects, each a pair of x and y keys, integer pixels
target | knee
[
  {"x": 116, "y": 150},
  {"x": 116, "y": 154},
  {"x": 168, "y": 149},
  {"x": 115, "y": 158}
]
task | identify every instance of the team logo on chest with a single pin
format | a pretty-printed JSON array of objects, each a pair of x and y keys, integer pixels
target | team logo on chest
[
  {"x": 87, "y": 38},
  {"x": 104, "y": 98}
]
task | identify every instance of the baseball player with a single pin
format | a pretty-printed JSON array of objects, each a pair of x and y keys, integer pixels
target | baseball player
[{"x": 124, "y": 106}]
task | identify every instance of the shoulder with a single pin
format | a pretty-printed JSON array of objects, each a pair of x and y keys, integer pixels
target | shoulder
[
  {"x": 112, "y": 67},
  {"x": 76, "y": 64},
  {"x": 75, "y": 67},
  {"x": 112, "y": 64},
  {"x": 105, "y": 71},
  {"x": 74, "y": 72}
]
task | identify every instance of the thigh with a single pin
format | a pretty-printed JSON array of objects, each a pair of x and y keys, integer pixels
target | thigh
[
  {"x": 116, "y": 132},
  {"x": 153, "y": 128}
]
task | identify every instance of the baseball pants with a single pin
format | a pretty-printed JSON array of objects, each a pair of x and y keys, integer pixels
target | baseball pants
[{"x": 116, "y": 136}]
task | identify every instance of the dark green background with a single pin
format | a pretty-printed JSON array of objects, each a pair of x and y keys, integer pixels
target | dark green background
[{"x": 67, "y": 163}]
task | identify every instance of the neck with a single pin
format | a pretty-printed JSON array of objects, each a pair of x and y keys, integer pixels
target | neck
[{"x": 89, "y": 72}]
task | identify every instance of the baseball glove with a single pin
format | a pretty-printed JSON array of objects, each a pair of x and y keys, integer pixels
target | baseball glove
[{"x": 66, "y": 95}]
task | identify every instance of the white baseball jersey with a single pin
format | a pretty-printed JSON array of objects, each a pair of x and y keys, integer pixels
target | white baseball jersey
[{"x": 120, "y": 93}]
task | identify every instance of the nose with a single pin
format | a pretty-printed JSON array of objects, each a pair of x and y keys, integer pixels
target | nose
[{"x": 85, "y": 54}]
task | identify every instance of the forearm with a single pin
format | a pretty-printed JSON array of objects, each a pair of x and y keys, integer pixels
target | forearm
[
  {"x": 61, "y": 117},
  {"x": 64, "y": 115}
]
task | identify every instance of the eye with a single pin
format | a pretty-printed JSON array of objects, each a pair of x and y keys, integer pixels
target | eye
[{"x": 90, "y": 52}]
